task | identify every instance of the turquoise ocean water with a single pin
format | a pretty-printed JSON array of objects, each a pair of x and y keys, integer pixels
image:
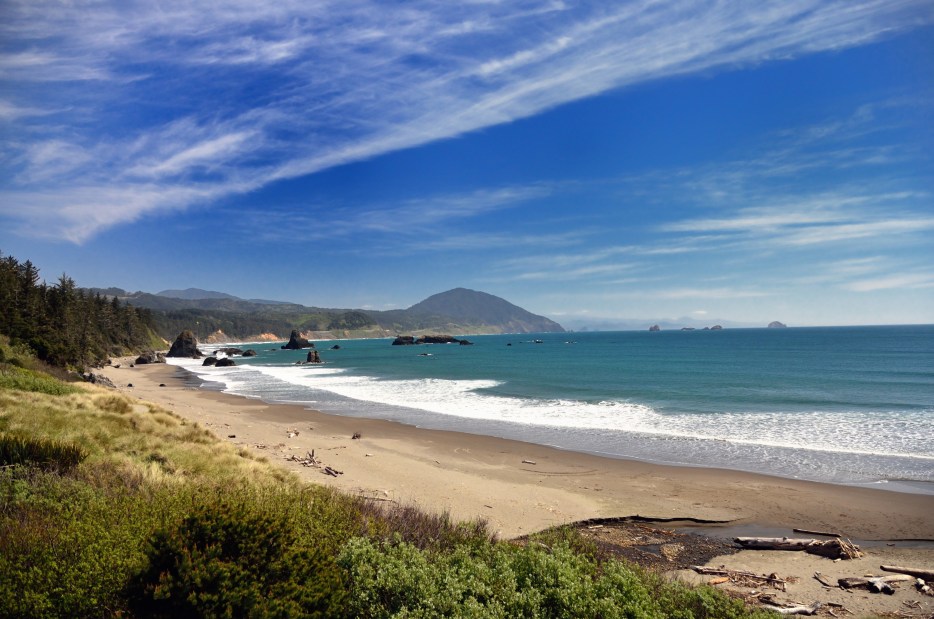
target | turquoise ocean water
[{"x": 842, "y": 404}]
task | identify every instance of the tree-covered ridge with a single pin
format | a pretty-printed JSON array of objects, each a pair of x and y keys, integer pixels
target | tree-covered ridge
[
  {"x": 64, "y": 325},
  {"x": 458, "y": 311}
]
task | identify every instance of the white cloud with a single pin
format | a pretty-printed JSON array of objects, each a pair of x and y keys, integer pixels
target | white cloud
[
  {"x": 276, "y": 90},
  {"x": 900, "y": 280}
]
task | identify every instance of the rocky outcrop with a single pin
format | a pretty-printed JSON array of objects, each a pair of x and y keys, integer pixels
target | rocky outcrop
[
  {"x": 249, "y": 352},
  {"x": 655, "y": 328},
  {"x": 777, "y": 325},
  {"x": 336, "y": 347},
  {"x": 185, "y": 345},
  {"x": 716, "y": 328},
  {"x": 264, "y": 337},
  {"x": 217, "y": 336},
  {"x": 404, "y": 340},
  {"x": 313, "y": 357},
  {"x": 297, "y": 342},
  {"x": 225, "y": 362},
  {"x": 209, "y": 361},
  {"x": 98, "y": 379},
  {"x": 150, "y": 357}
]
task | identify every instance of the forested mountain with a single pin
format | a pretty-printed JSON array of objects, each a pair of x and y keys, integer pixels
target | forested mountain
[
  {"x": 64, "y": 325},
  {"x": 474, "y": 307},
  {"x": 458, "y": 311}
]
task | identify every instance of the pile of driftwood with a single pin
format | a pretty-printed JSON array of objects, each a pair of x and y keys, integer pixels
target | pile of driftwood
[
  {"x": 884, "y": 584},
  {"x": 311, "y": 460},
  {"x": 741, "y": 578},
  {"x": 836, "y": 548}
]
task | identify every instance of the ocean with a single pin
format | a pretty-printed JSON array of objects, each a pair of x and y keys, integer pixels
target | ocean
[{"x": 850, "y": 405}]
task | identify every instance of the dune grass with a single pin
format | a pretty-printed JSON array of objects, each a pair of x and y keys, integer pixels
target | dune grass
[{"x": 159, "y": 518}]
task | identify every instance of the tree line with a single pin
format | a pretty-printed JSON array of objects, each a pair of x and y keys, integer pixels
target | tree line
[{"x": 64, "y": 325}]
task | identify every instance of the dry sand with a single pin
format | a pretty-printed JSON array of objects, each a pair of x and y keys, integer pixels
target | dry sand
[{"x": 520, "y": 488}]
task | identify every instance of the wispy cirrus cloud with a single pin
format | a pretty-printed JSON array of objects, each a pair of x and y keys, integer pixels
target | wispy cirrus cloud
[{"x": 277, "y": 90}]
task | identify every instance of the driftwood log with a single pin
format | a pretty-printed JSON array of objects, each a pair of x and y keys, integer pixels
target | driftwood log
[
  {"x": 837, "y": 548},
  {"x": 881, "y": 584},
  {"x": 795, "y": 610},
  {"x": 917, "y": 572}
]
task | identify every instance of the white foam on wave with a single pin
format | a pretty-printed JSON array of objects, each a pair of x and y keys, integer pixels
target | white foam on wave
[{"x": 894, "y": 434}]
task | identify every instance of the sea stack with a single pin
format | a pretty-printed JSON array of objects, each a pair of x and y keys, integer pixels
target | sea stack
[
  {"x": 297, "y": 342},
  {"x": 185, "y": 345},
  {"x": 777, "y": 325},
  {"x": 655, "y": 328}
]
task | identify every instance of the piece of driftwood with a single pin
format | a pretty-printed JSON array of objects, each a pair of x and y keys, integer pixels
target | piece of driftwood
[
  {"x": 795, "y": 610},
  {"x": 880, "y": 584},
  {"x": 820, "y": 578},
  {"x": 332, "y": 472},
  {"x": 917, "y": 572},
  {"x": 823, "y": 533},
  {"x": 837, "y": 548}
]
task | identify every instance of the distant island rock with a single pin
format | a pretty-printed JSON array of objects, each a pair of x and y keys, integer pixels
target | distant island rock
[
  {"x": 409, "y": 340},
  {"x": 297, "y": 342},
  {"x": 655, "y": 328},
  {"x": 185, "y": 345},
  {"x": 777, "y": 325}
]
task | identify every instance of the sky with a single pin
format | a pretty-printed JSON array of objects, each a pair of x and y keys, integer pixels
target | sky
[{"x": 588, "y": 161}]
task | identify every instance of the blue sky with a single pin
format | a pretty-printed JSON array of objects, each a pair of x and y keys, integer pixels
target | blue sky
[{"x": 589, "y": 161}]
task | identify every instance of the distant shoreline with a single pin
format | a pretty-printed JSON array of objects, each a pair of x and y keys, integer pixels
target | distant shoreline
[{"x": 520, "y": 487}]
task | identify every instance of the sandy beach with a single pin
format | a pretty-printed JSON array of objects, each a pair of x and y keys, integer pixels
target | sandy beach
[{"x": 520, "y": 488}]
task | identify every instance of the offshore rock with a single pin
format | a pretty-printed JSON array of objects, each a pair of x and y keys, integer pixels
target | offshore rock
[
  {"x": 230, "y": 351},
  {"x": 409, "y": 340},
  {"x": 209, "y": 361},
  {"x": 438, "y": 339},
  {"x": 225, "y": 362},
  {"x": 297, "y": 342},
  {"x": 655, "y": 328},
  {"x": 313, "y": 357},
  {"x": 249, "y": 352},
  {"x": 777, "y": 325},
  {"x": 185, "y": 345}
]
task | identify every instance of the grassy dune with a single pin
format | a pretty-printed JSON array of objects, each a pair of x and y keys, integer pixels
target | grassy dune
[{"x": 156, "y": 517}]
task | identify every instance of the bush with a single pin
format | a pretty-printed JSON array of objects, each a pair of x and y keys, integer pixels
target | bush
[
  {"x": 497, "y": 581},
  {"x": 66, "y": 549},
  {"x": 45, "y": 453},
  {"x": 235, "y": 560}
]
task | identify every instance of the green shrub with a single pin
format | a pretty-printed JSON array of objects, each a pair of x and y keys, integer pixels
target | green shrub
[
  {"x": 66, "y": 548},
  {"x": 42, "y": 452},
  {"x": 236, "y": 560},
  {"x": 498, "y": 581}
]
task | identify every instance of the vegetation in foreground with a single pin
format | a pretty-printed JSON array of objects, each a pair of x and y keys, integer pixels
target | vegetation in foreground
[{"x": 111, "y": 507}]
